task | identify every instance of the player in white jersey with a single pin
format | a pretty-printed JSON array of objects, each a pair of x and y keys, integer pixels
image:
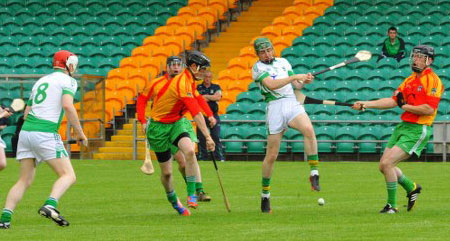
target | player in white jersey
[
  {"x": 39, "y": 140},
  {"x": 4, "y": 113},
  {"x": 275, "y": 78}
]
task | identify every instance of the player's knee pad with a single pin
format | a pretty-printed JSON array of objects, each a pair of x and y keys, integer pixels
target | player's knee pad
[
  {"x": 184, "y": 134},
  {"x": 163, "y": 156}
]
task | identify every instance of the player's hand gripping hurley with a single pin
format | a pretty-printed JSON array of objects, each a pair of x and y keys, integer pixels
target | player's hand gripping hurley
[{"x": 361, "y": 56}]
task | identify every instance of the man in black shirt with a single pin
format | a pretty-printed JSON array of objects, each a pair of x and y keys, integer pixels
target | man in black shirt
[{"x": 212, "y": 94}]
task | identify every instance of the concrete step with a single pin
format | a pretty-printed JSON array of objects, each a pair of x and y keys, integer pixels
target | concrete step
[
  {"x": 140, "y": 148},
  {"x": 120, "y": 156},
  {"x": 124, "y": 138},
  {"x": 122, "y": 144}
]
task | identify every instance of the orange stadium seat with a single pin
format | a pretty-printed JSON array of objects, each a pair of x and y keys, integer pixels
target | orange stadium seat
[
  {"x": 293, "y": 12},
  {"x": 293, "y": 32},
  {"x": 186, "y": 32},
  {"x": 282, "y": 42},
  {"x": 237, "y": 63},
  {"x": 175, "y": 40},
  {"x": 303, "y": 3},
  {"x": 246, "y": 77},
  {"x": 248, "y": 61},
  {"x": 144, "y": 51},
  {"x": 165, "y": 51},
  {"x": 118, "y": 74},
  {"x": 177, "y": 21},
  {"x": 228, "y": 74},
  {"x": 199, "y": 23},
  {"x": 247, "y": 51},
  {"x": 323, "y": 3},
  {"x": 271, "y": 31},
  {"x": 210, "y": 15},
  {"x": 165, "y": 31},
  {"x": 313, "y": 12},
  {"x": 237, "y": 86},
  {"x": 127, "y": 89},
  {"x": 219, "y": 4},
  {"x": 218, "y": 9},
  {"x": 282, "y": 21},
  {"x": 129, "y": 62},
  {"x": 198, "y": 3},
  {"x": 113, "y": 100},
  {"x": 153, "y": 41},
  {"x": 140, "y": 78},
  {"x": 187, "y": 12},
  {"x": 303, "y": 21}
]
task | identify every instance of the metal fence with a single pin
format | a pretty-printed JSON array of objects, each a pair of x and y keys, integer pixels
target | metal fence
[{"x": 441, "y": 132}]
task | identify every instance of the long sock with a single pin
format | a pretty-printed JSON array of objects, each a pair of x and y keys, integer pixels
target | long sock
[
  {"x": 265, "y": 185},
  {"x": 51, "y": 202},
  {"x": 406, "y": 183},
  {"x": 6, "y": 215},
  {"x": 190, "y": 183},
  {"x": 313, "y": 161},
  {"x": 392, "y": 193},
  {"x": 198, "y": 187},
  {"x": 172, "y": 197}
]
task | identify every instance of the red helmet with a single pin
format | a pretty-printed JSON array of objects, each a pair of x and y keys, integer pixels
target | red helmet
[{"x": 63, "y": 59}]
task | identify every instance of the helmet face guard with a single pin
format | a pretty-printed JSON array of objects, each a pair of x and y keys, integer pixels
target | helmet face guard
[
  {"x": 264, "y": 46},
  {"x": 201, "y": 61},
  {"x": 174, "y": 65},
  {"x": 419, "y": 52}
]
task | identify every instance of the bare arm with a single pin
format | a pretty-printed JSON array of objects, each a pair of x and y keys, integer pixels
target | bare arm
[
  {"x": 385, "y": 103},
  {"x": 26, "y": 111},
  {"x": 424, "y": 109},
  {"x": 201, "y": 124},
  {"x": 278, "y": 83},
  {"x": 72, "y": 115}
]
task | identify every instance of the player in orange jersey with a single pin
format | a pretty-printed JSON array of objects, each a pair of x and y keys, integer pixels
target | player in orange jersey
[
  {"x": 419, "y": 97},
  {"x": 172, "y": 98},
  {"x": 174, "y": 67}
]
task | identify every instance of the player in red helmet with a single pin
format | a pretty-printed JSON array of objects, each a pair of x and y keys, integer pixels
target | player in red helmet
[{"x": 39, "y": 140}]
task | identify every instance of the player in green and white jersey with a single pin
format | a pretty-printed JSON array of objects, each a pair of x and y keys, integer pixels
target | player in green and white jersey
[
  {"x": 39, "y": 140},
  {"x": 276, "y": 80}
]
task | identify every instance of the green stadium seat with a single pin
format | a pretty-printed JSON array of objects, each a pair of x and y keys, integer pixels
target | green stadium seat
[
  {"x": 324, "y": 20},
  {"x": 7, "y": 135},
  {"x": 333, "y": 12},
  {"x": 257, "y": 108},
  {"x": 324, "y": 133},
  {"x": 346, "y": 133},
  {"x": 333, "y": 32},
  {"x": 256, "y": 133},
  {"x": 365, "y": 21},
  {"x": 236, "y": 108},
  {"x": 313, "y": 31}
]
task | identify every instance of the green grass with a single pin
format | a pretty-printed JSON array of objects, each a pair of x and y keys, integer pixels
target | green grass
[{"x": 112, "y": 200}]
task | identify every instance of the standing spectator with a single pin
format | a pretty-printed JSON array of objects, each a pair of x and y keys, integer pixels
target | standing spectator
[
  {"x": 393, "y": 46},
  {"x": 212, "y": 94}
]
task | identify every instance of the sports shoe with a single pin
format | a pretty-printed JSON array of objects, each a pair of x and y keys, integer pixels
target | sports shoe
[
  {"x": 389, "y": 209},
  {"x": 181, "y": 209},
  {"x": 265, "y": 205},
  {"x": 202, "y": 197},
  {"x": 192, "y": 201},
  {"x": 53, "y": 214},
  {"x": 5, "y": 225},
  {"x": 412, "y": 196},
  {"x": 314, "y": 180}
]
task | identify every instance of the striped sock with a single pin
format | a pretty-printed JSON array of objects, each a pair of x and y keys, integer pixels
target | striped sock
[
  {"x": 172, "y": 197},
  {"x": 198, "y": 187},
  {"x": 392, "y": 193},
  {"x": 6, "y": 215},
  {"x": 313, "y": 161},
  {"x": 190, "y": 183},
  {"x": 265, "y": 185},
  {"x": 406, "y": 183},
  {"x": 53, "y": 202}
]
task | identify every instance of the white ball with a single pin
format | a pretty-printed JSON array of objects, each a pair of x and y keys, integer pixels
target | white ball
[{"x": 321, "y": 201}]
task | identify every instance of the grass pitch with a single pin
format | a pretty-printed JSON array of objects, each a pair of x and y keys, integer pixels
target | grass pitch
[{"x": 113, "y": 200}]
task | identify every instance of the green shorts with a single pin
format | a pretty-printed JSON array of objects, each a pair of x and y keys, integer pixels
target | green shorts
[
  {"x": 161, "y": 136},
  {"x": 410, "y": 137}
]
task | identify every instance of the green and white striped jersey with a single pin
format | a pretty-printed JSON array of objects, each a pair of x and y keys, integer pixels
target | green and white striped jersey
[
  {"x": 45, "y": 100},
  {"x": 279, "y": 69}
]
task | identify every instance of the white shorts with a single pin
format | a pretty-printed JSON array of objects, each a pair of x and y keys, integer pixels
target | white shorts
[
  {"x": 281, "y": 112},
  {"x": 41, "y": 146},
  {"x": 2, "y": 143}
]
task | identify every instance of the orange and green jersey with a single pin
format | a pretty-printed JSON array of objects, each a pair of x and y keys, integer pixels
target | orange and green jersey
[
  {"x": 418, "y": 90},
  {"x": 172, "y": 98}
]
